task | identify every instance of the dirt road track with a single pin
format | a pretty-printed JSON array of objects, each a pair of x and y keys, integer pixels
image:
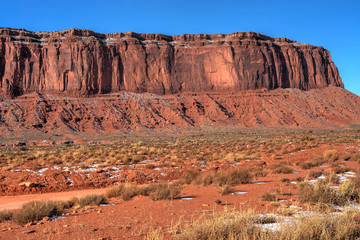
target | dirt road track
[{"x": 15, "y": 202}]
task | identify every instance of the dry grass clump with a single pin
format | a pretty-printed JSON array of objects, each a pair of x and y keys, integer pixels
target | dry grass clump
[
  {"x": 164, "y": 191},
  {"x": 128, "y": 191},
  {"x": 341, "y": 169},
  {"x": 285, "y": 180},
  {"x": 320, "y": 226},
  {"x": 332, "y": 179},
  {"x": 125, "y": 191},
  {"x": 225, "y": 190},
  {"x": 350, "y": 190},
  {"x": 315, "y": 174},
  {"x": 320, "y": 192},
  {"x": 154, "y": 234},
  {"x": 281, "y": 168},
  {"x": 227, "y": 225},
  {"x": 234, "y": 177},
  {"x": 355, "y": 157},
  {"x": 189, "y": 176},
  {"x": 114, "y": 191},
  {"x": 6, "y": 215},
  {"x": 242, "y": 225},
  {"x": 91, "y": 200},
  {"x": 156, "y": 192},
  {"x": 312, "y": 163},
  {"x": 331, "y": 155},
  {"x": 37, "y": 210},
  {"x": 269, "y": 197},
  {"x": 257, "y": 172},
  {"x": 230, "y": 177},
  {"x": 323, "y": 193},
  {"x": 206, "y": 178}
]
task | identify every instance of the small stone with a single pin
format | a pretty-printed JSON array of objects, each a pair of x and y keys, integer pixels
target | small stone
[
  {"x": 31, "y": 231},
  {"x": 65, "y": 226},
  {"x": 99, "y": 211},
  {"x": 27, "y": 184},
  {"x": 45, "y": 219},
  {"x": 205, "y": 205},
  {"x": 29, "y": 224}
]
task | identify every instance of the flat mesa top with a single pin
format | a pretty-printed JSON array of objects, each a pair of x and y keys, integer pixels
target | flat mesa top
[{"x": 142, "y": 36}]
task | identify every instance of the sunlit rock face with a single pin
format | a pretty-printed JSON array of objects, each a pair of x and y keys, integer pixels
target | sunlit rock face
[{"x": 82, "y": 62}]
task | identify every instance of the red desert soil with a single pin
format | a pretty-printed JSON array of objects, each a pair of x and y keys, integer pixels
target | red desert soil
[{"x": 133, "y": 219}]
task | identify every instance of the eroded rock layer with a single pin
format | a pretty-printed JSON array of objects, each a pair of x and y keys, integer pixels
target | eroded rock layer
[
  {"x": 82, "y": 62},
  {"x": 117, "y": 112}
]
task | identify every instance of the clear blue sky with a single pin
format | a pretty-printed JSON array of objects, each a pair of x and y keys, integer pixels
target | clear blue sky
[{"x": 334, "y": 25}]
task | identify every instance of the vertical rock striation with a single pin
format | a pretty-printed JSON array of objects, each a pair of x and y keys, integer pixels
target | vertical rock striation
[{"x": 82, "y": 62}]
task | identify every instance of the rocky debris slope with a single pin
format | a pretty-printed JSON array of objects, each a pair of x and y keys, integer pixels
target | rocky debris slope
[
  {"x": 82, "y": 62},
  {"x": 326, "y": 107}
]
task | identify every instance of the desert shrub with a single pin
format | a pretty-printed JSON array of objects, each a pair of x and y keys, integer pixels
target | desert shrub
[
  {"x": 315, "y": 174},
  {"x": 225, "y": 190},
  {"x": 299, "y": 179},
  {"x": 235, "y": 177},
  {"x": 231, "y": 177},
  {"x": 156, "y": 192},
  {"x": 240, "y": 225},
  {"x": 114, "y": 191},
  {"x": 320, "y": 192},
  {"x": 282, "y": 169},
  {"x": 233, "y": 225},
  {"x": 307, "y": 165},
  {"x": 320, "y": 226},
  {"x": 355, "y": 157},
  {"x": 91, "y": 200},
  {"x": 189, "y": 176},
  {"x": 340, "y": 169},
  {"x": 331, "y": 155},
  {"x": 129, "y": 191},
  {"x": 154, "y": 234},
  {"x": 332, "y": 179},
  {"x": 312, "y": 163},
  {"x": 206, "y": 178},
  {"x": 269, "y": 197},
  {"x": 350, "y": 190},
  {"x": 164, "y": 191},
  {"x": 285, "y": 180},
  {"x": 258, "y": 172},
  {"x": 6, "y": 215},
  {"x": 37, "y": 210}
]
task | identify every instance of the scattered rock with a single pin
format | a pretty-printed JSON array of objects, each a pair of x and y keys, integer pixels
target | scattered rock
[{"x": 27, "y": 184}]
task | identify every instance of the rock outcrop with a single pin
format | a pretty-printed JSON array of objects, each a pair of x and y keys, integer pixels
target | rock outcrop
[
  {"x": 118, "y": 112},
  {"x": 81, "y": 62}
]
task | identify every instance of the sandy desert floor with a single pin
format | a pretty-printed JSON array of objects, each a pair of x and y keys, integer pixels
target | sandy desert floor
[{"x": 35, "y": 174}]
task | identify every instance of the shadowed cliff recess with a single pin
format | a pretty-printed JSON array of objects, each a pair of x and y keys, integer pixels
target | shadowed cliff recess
[{"x": 81, "y": 62}]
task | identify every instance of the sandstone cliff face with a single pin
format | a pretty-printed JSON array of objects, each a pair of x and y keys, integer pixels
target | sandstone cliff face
[{"x": 81, "y": 62}]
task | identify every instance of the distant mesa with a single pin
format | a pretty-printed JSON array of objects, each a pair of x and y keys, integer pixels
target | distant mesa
[{"x": 81, "y": 62}]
